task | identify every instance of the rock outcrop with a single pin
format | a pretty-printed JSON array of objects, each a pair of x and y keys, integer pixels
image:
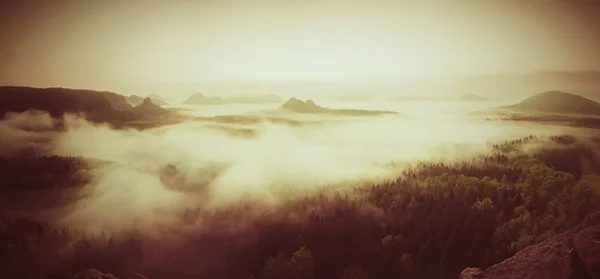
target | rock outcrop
[
  {"x": 148, "y": 109},
  {"x": 92, "y": 273},
  {"x": 574, "y": 254},
  {"x": 309, "y": 106},
  {"x": 136, "y": 100}
]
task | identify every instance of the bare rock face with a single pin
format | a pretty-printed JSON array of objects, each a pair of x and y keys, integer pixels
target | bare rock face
[
  {"x": 92, "y": 273},
  {"x": 137, "y": 276},
  {"x": 587, "y": 245},
  {"x": 471, "y": 273},
  {"x": 574, "y": 254}
]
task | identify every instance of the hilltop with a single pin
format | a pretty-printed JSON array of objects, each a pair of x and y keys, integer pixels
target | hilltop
[
  {"x": 136, "y": 100},
  {"x": 149, "y": 109},
  {"x": 309, "y": 106},
  {"x": 558, "y": 102},
  {"x": 201, "y": 99}
]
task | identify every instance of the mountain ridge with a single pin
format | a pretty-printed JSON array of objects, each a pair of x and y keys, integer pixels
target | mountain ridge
[{"x": 95, "y": 106}]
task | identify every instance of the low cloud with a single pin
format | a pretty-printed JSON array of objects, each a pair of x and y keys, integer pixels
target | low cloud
[{"x": 212, "y": 169}]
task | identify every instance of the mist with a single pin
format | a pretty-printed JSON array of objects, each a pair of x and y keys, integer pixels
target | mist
[
  {"x": 211, "y": 169},
  {"x": 24, "y": 132}
]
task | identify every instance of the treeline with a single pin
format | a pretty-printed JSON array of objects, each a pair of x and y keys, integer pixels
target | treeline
[{"x": 431, "y": 222}]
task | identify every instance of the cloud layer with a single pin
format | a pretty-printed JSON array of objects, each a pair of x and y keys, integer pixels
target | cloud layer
[{"x": 213, "y": 169}]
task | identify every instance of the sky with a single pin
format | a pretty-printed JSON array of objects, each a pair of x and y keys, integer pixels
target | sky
[{"x": 127, "y": 45}]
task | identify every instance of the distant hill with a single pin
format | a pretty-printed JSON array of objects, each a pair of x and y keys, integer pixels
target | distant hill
[
  {"x": 558, "y": 102},
  {"x": 95, "y": 106},
  {"x": 201, "y": 99},
  {"x": 309, "y": 106},
  {"x": 584, "y": 83},
  {"x": 136, "y": 100},
  {"x": 149, "y": 109}
]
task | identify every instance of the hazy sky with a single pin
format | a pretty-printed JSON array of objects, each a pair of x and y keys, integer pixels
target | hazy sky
[{"x": 124, "y": 44}]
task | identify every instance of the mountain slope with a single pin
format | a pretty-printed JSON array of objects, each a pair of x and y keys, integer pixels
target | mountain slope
[{"x": 558, "y": 102}]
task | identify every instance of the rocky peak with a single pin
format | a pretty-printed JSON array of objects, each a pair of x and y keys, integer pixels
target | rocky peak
[{"x": 297, "y": 105}]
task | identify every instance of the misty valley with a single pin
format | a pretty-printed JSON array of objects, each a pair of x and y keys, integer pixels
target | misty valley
[{"x": 100, "y": 185}]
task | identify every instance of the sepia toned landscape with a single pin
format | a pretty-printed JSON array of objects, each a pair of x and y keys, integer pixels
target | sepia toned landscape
[{"x": 303, "y": 139}]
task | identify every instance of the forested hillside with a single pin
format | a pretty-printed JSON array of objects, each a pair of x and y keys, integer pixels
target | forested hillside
[{"x": 433, "y": 221}]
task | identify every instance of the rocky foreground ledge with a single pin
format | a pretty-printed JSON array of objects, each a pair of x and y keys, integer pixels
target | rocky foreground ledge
[
  {"x": 574, "y": 254},
  {"x": 97, "y": 274}
]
